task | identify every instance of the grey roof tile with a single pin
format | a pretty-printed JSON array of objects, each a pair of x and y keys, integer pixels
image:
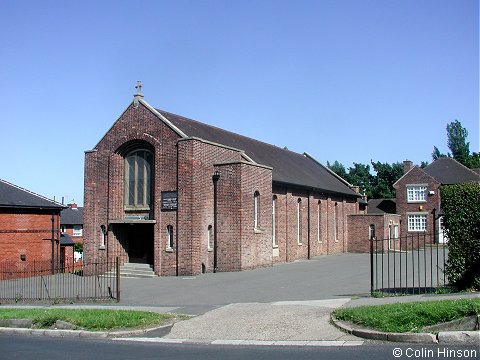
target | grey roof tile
[
  {"x": 12, "y": 196},
  {"x": 449, "y": 171},
  {"x": 288, "y": 167},
  {"x": 72, "y": 216}
]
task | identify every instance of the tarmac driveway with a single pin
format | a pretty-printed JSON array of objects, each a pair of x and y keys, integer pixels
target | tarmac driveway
[{"x": 323, "y": 277}]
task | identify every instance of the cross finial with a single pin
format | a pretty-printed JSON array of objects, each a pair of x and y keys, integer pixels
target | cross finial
[{"x": 139, "y": 87}]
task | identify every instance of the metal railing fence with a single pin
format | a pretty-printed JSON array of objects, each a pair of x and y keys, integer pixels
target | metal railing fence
[
  {"x": 411, "y": 264},
  {"x": 27, "y": 282}
]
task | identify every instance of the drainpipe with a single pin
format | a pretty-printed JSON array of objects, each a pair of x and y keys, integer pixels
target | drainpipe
[
  {"x": 215, "y": 178},
  {"x": 53, "y": 244},
  {"x": 308, "y": 227}
]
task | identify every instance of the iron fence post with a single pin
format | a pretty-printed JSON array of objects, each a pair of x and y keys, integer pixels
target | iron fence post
[
  {"x": 371, "y": 266},
  {"x": 117, "y": 274}
]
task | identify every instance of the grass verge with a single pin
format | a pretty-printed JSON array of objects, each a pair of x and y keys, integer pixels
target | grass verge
[
  {"x": 409, "y": 317},
  {"x": 93, "y": 319}
]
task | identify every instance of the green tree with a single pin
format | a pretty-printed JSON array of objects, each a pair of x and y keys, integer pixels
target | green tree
[
  {"x": 387, "y": 175},
  {"x": 436, "y": 154},
  {"x": 360, "y": 175},
  {"x": 459, "y": 146},
  {"x": 475, "y": 161},
  {"x": 457, "y": 142},
  {"x": 338, "y": 169}
]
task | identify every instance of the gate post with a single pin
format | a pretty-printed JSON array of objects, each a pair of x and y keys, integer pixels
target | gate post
[{"x": 371, "y": 266}]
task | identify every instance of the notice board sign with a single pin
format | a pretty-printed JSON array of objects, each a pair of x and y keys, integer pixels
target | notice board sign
[{"x": 169, "y": 200}]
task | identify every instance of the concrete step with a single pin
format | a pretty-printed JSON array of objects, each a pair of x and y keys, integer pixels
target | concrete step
[
  {"x": 134, "y": 270},
  {"x": 136, "y": 266}
]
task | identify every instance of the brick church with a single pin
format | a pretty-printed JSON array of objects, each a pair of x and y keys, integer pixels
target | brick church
[{"x": 187, "y": 197}]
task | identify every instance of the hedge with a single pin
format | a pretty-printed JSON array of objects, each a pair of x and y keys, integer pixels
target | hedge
[{"x": 461, "y": 207}]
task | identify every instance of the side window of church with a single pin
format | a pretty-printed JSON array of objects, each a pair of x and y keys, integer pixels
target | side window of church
[{"x": 138, "y": 179}]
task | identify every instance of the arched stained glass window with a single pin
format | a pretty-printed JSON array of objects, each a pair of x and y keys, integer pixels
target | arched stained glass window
[{"x": 138, "y": 179}]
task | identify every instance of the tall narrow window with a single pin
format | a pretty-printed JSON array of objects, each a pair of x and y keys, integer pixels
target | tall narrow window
[
  {"x": 371, "y": 232},
  {"x": 274, "y": 221},
  {"x": 209, "y": 237},
  {"x": 299, "y": 221},
  {"x": 256, "y": 208},
  {"x": 138, "y": 179},
  {"x": 395, "y": 232},
  {"x": 319, "y": 221},
  {"x": 169, "y": 237},
  {"x": 335, "y": 222},
  {"x": 103, "y": 232}
]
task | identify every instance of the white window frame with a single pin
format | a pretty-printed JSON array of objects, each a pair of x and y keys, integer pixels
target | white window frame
[
  {"x": 77, "y": 230},
  {"x": 417, "y": 222},
  {"x": 416, "y": 193}
]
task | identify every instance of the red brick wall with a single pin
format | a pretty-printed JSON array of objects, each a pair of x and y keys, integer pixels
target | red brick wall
[
  {"x": 320, "y": 243},
  {"x": 256, "y": 244},
  {"x": 28, "y": 233},
  {"x": 358, "y": 230},
  {"x": 196, "y": 161}
]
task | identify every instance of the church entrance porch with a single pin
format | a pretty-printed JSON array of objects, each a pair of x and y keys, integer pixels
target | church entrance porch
[{"x": 137, "y": 240}]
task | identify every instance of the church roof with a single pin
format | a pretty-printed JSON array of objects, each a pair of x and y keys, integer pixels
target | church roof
[
  {"x": 12, "y": 196},
  {"x": 289, "y": 168},
  {"x": 449, "y": 171}
]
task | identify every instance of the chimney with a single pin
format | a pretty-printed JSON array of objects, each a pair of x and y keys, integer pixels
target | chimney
[
  {"x": 407, "y": 166},
  {"x": 356, "y": 189},
  {"x": 72, "y": 205}
]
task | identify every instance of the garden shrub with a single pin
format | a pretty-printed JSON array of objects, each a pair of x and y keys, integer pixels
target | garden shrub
[{"x": 461, "y": 207}]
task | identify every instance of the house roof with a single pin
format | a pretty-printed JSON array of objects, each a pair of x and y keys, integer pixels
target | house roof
[
  {"x": 289, "y": 167},
  {"x": 66, "y": 240},
  {"x": 71, "y": 216},
  {"x": 382, "y": 206},
  {"x": 12, "y": 196},
  {"x": 449, "y": 171}
]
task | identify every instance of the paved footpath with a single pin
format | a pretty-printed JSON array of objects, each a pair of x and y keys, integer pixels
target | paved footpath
[{"x": 299, "y": 323}]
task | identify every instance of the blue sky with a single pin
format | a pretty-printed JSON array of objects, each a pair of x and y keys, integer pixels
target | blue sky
[{"x": 351, "y": 81}]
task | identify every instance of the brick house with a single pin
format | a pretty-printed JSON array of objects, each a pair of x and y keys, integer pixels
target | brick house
[
  {"x": 71, "y": 222},
  {"x": 164, "y": 189},
  {"x": 29, "y": 226},
  {"x": 418, "y": 194}
]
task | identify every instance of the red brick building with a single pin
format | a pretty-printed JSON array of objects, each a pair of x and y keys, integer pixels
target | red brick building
[
  {"x": 164, "y": 189},
  {"x": 418, "y": 194},
  {"x": 29, "y": 226}
]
